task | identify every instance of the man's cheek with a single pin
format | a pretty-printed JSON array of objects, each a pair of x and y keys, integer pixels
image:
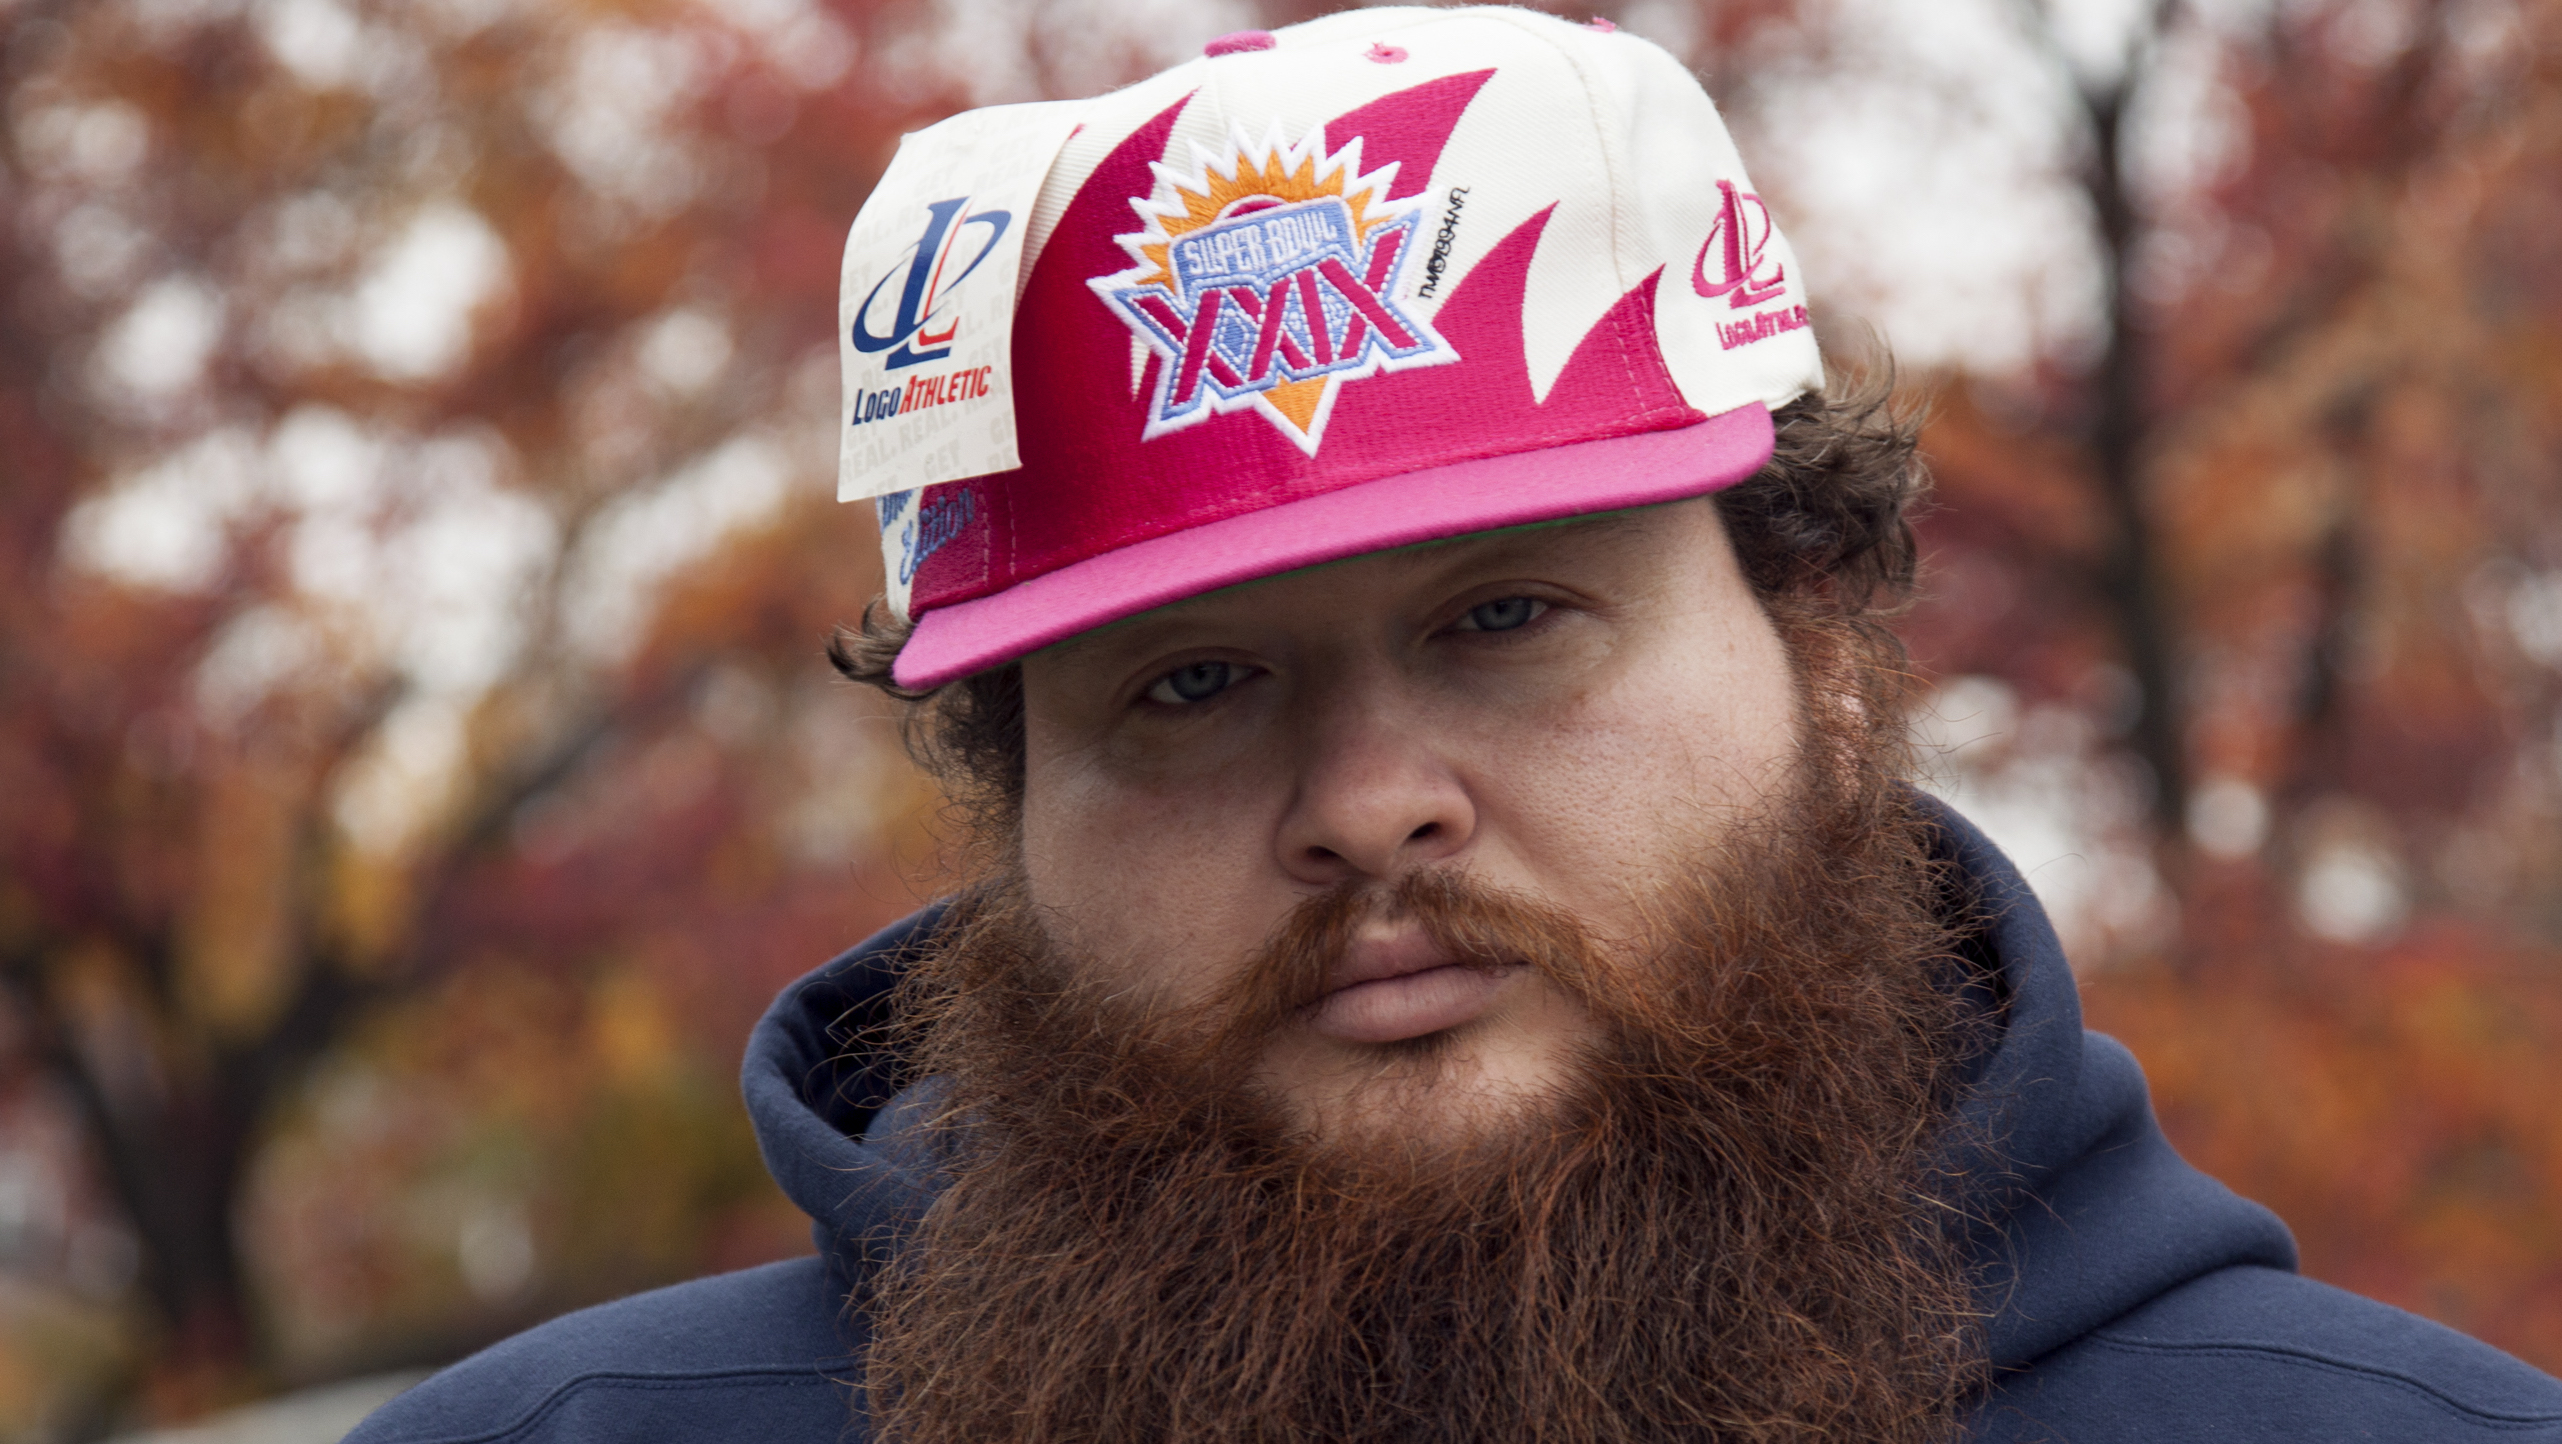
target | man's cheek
[{"x": 1169, "y": 929}]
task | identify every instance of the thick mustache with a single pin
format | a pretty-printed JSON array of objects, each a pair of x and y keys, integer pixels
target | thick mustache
[{"x": 1470, "y": 923}]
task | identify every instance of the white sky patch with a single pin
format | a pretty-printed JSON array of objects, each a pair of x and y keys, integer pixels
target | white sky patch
[
  {"x": 411, "y": 316},
  {"x": 420, "y": 540},
  {"x": 2189, "y": 129},
  {"x": 646, "y": 536},
  {"x": 411, "y": 557},
  {"x": 36, "y": 1208},
  {"x": 299, "y": 329},
  {"x": 684, "y": 349},
  {"x": 448, "y": 561},
  {"x": 324, "y": 460},
  {"x": 332, "y": 471},
  {"x": 2512, "y": 601},
  {"x": 984, "y": 43},
  {"x": 494, "y": 1248},
  {"x": 408, "y": 555},
  {"x": 2096, "y": 36},
  {"x": 256, "y": 652},
  {"x": 2534, "y": 614},
  {"x": 1672, "y": 24},
  {"x": 168, "y": 23},
  {"x": 166, "y": 525},
  {"x": 307, "y": 232},
  {"x": 2373, "y": 32},
  {"x": 2351, "y": 891},
  {"x": 2187, "y": 132},
  {"x": 320, "y": 41},
  {"x": 798, "y": 38},
  {"x": 2228, "y": 817},
  {"x": 414, "y": 760},
  {"x": 1016, "y": 50},
  {"x": 1927, "y": 166},
  {"x": 416, "y": 555},
  {"x": 1923, "y": 174},
  {"x": 102, "y": 143},
  {"x": 605, "y": 115},
  {"x": 159, "y": 346},
  {"x": 459, "y": 18},
  {"x": 2487, "y": 30},
  {"x": 467, "y": 568},
  {"x": 98, "y": 248}
]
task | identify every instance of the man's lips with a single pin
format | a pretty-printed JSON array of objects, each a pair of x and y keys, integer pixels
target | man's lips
[{"x": 1391, "y": 988}]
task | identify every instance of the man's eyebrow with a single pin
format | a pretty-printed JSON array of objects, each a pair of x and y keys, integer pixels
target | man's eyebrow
[
  {"x": 1500, "y": 543},
  {"x": 1136, "y": 635}
]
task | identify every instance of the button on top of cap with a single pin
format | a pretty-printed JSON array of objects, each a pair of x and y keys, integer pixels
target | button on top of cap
[{"x": 1238, "y": 42}]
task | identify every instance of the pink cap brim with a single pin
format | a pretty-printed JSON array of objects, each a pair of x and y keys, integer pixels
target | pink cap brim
[{"x": 1393, "y": 511}]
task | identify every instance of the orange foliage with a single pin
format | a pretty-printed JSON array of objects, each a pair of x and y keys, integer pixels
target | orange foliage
[
  {"x": 2396, "y": 1108},
  {"x": 2355, "y": 518}
]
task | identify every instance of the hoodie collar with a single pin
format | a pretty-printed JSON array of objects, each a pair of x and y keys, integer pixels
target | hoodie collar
[{"x": 814, "y": 1080}]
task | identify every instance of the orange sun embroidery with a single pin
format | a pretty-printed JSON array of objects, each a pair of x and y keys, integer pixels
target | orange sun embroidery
[{"x": 1257, "y": 177}]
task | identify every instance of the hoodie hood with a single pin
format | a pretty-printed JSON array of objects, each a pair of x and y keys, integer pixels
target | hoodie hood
[{"x": 2085, "y": 1211}]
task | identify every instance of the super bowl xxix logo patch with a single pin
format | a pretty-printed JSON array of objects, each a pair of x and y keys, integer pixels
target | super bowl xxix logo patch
[{"x": 1268, "y": 278}]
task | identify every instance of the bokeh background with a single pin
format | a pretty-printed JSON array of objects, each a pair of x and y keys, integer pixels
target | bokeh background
[{"x": 417, "y": 768}]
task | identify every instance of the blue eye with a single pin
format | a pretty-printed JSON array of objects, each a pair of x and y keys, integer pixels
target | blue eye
[
  {"x": 1503, "y": 615},
  {"x": 1196, "y": 683}
]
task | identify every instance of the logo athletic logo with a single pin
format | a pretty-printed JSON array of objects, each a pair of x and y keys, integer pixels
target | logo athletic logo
[
  {"x": 1738, "y": 237},
  {"x": 933, "y": 272},
  {"x": 1266, "y": 280}
]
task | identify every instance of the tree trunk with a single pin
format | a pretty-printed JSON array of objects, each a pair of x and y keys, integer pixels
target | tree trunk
[{"x": 2130, "y": 583}]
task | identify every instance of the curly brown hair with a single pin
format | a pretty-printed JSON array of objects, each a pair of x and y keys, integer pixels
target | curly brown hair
[{"x": 1825, "y": 526}]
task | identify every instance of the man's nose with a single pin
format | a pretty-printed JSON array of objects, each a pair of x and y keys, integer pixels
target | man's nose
[{"x": 1375, "y": 793}]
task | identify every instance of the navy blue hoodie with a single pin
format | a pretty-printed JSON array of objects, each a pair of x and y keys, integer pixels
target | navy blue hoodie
[{"x": 2134, "y": 1298}]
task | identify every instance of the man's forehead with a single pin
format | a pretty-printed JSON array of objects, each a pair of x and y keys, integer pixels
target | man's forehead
[{"x": 1424, "y": 566}]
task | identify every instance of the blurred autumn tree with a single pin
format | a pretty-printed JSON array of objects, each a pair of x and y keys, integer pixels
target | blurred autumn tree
[
  {"x": 2273, "y": 559},
  {"x": 415, "y": 771},
  {"x": 367, "y": 372}
]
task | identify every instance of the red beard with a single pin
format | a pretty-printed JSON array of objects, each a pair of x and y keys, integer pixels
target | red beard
[{"x": 1726, "y": 1226}]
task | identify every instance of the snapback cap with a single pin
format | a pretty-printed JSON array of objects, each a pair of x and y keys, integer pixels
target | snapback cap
[{"x": 1387, "y": 277}]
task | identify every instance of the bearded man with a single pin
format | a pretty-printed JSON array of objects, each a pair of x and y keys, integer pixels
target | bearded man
[{"x": 1447, "y": 950}]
